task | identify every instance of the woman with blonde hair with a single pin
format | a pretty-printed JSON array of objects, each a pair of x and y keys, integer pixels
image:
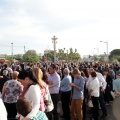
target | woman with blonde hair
[{"x": 38, "y": 74}]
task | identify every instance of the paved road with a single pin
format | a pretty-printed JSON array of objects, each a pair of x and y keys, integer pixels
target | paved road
[{"x": 109, "y": 116}]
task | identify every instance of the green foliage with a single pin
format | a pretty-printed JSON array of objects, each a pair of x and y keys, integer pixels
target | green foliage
[
  {"x": 68, "y": 56},
  {"x": 49, "y": 55},
  {"x": 18, "y": 57},
  {"x": 8, "y": 57},
  {"x": 115, "y": 54},
  {"x": 30, "y": 56},
  {"x": 64, "y": 55}
]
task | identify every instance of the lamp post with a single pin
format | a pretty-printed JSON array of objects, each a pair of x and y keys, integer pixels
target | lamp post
[
  {"x": 12, "y": 50},
  {"x": 54, "y": 41},
  {"x": 106, "y": 47},
  {"x": 97, "y": 50}
]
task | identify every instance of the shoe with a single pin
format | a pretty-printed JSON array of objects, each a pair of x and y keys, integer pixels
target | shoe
[{"x": 113, "y": 95}]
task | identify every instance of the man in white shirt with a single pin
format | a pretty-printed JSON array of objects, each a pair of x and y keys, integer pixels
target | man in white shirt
[
  {"x": 54, "y": 86},
  {"x": 102, "y": 85}
]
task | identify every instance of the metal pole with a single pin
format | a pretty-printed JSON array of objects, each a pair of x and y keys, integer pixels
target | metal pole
[
  {"x": 107, "y": 47},
  {"x": 54, "y": 46},
  {"x": 24, "y": 49},
  {"x": 12, "y": 50}
]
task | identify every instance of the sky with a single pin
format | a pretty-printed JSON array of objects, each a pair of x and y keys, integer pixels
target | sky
[{"x": 79, "y": 24}]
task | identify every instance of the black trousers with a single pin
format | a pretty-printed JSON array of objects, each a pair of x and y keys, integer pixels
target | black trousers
[
  {"x": 102, "y": 103},
  {"x": 55, "y": 103},
  {"x": 11, "y": 110},
  {"x": 95, "y": 109},
  {"x": 65, "y": 99}
]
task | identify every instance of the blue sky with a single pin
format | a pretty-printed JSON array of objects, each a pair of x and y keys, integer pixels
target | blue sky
[{"x": 76, "y": 23}]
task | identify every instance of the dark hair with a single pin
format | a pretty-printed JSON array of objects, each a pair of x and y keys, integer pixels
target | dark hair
[
  {"x": 86, "y": 72},
  {"x": 24, "y": 73},
  {"x": 93, "y": 74},
  {"x": 23, "y": 107},
  {"x": 82, "y": 74},
  {"x": 53, "y": 66},
  {"x": 45, "y": 76}
]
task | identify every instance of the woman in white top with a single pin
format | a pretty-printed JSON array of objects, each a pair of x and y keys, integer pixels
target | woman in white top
[
  {"x": 94, "y": 93},
  {"x": 33, "y": 94}
]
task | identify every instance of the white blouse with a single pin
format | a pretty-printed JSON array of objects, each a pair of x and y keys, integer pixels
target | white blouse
[
  {"x": 33, "y": 95},
  {"x": 94, "y": 85}
]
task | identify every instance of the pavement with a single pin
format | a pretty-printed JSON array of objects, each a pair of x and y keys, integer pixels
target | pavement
[{"x": 110, "y": 115}]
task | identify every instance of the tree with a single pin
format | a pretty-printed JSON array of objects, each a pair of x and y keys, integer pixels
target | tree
[
  {"x": 8, "y": 57},
  {"x": 74, "y": 55},
  {"x": 30, "y": 56},
  {"x": 115, "y": 54},
  {"x": 18, "y": 57}
]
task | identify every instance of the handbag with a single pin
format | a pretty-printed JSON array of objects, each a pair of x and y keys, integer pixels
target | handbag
[{"x": 90, "y": 104}]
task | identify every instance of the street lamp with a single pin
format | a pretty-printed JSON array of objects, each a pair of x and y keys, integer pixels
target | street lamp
[
  {"x": 97, "y": 50},
  {"x": 12, "y": 50},
  {"x": 106, "y": 47},
  {"x": 54, "y": 40}
]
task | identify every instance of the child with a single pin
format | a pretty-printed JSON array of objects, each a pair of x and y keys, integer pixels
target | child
[{"x": 24, "y": 108}]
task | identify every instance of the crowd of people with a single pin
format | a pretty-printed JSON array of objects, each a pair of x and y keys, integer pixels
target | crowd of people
[{"x": 32, "y": 91}]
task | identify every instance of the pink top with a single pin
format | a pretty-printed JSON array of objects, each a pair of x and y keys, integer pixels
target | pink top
[{"x": 43, "y": 93}]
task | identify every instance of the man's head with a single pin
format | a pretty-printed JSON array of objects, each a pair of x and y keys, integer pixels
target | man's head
[
  {"x": 66, "y": 71},
  {"x": 118, "y": 74},
  {"x": 23, "y": 107},
  {"x": 52, "y": 69},
  {"x": 105, "y": 72},
  {"x": 76, "y": 73}
]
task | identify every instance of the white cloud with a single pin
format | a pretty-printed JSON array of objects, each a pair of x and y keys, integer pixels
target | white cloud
[{"x": 77, "y": 24}]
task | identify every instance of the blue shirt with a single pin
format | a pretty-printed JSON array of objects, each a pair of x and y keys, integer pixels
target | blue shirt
[
  {"x": 65, "y": 83},
  {"x": 116, "y": 84},
  {"x": 78, "y": 93}
]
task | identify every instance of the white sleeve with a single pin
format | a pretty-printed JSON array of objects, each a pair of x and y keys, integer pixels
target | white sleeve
[
  {"x": 88, "y": 82},
  {"x": 34, "y": 93},
  {"x": 104, "y": 83}
]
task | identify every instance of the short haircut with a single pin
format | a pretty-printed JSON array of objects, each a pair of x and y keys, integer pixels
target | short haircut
[
  {"x": 93, "y": 74},
  {"x": 53, "y": 66},
  {"x": 23, "y": 107},
  {"x": 76, "y": 71},
  {"x": 15, "y": 75},
  {"x": 66, "y": 71}
]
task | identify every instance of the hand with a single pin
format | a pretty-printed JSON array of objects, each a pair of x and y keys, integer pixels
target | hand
[
  {"x": 50, "y": 83},
  {"x": 103, "y": 90},
  {"x": 1, "y": 76},
  {"x": 71, "y": 84}
]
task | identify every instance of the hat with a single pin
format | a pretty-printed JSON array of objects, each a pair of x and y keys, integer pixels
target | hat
[{"x": 118, "y": 73}]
